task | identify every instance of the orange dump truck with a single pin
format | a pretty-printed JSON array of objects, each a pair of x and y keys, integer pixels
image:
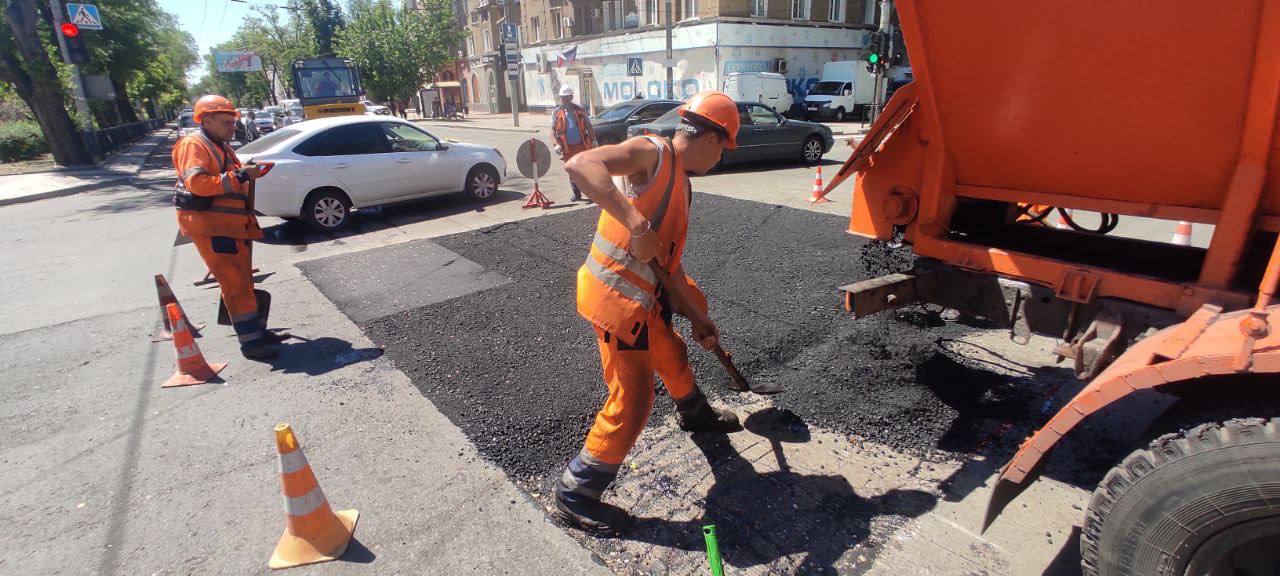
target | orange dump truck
[{"x": 1164, "y": 110}]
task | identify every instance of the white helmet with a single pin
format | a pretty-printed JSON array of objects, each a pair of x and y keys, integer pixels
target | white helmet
[{"x": 566, "y": 90}]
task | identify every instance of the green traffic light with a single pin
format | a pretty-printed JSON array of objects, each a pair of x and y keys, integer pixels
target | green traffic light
[{"x": 873, "y": 58}]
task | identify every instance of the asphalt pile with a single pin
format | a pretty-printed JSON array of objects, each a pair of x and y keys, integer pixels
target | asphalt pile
[{"x": 518, "y": 371}]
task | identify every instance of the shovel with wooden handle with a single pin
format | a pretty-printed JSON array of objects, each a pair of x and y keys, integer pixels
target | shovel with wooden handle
[{"x": 678, "y": 296}]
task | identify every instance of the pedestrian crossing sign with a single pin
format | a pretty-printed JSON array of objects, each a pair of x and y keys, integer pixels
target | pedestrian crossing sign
[
  {"x": 85, "y": 16},
  {"x": 635, "y": 67}
]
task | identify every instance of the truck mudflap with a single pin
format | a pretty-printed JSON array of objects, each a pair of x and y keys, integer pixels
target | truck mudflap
[{"x": 1206, "y": 344}]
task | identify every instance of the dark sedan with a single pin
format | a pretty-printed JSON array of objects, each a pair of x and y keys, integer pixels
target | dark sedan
[
  {"x": 612, "y": 122},
  {"x": 764, "y": 135}
]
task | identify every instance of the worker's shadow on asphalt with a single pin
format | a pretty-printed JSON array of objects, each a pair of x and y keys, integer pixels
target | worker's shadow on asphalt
[
  {"x": 301, "y": 355},
  {"x": 762, "y": 517}
]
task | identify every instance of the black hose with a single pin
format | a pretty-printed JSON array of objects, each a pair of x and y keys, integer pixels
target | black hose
[{"x": 1109, "y": 222}]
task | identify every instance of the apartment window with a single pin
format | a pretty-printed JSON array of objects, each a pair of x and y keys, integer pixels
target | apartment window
[
  {"x": 760, "y": 8},
  {"x": 475, "y": 17},
  {"x": 689, "y": 9},
  {"x": 535, "y": 33},
  {"x": 471, "y": 45},
  {"x": 651, "y": 12},
  {"x": 628, "y": 14},
  {"x": 800, "y": 9},
  {"x": 557, "y": 23},
  {"x": 837, "y": 11},
  {"x": 870, "y": 8},
  {"x": 488, "y": 40}
]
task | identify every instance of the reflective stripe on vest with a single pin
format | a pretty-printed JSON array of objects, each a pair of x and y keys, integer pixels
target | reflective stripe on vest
[
  {"x": 616, "y": 255},
  {"x": 619, "y": 284}
]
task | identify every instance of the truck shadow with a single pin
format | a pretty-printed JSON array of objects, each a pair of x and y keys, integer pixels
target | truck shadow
[{"x": 762, "y": 517}]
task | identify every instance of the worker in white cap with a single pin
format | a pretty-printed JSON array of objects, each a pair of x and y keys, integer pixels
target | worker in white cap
[{"x": 571, "y": 130}]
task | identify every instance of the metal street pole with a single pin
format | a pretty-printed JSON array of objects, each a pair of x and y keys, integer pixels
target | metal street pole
[
  {"x": 82, "y": 103},
  {"x": 512, "y": 85},
  {"x": 670, "y": 72}
]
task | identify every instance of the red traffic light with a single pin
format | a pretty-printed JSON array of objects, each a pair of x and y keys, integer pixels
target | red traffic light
[{"x": 70, "y": 30}]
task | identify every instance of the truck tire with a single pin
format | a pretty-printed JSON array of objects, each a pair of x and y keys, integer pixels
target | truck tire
[
  {"x": 1201, "y": 501},
  {"x": 840, "y": 114}
]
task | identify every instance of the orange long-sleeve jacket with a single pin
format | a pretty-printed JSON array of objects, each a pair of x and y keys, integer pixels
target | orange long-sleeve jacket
[{"x": 211, "y": 198}]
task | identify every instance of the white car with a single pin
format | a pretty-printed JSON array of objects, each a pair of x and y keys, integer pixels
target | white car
[
  {"x": 378, "y": 109},
  {"x": 326, "y": 167}
]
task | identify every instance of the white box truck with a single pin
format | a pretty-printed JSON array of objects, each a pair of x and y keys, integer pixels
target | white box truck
[
  {"x": 846, "y": 89},
  {"x": 767, "y": 88}
]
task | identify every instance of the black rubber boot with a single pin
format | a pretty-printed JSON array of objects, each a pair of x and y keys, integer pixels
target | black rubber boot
[
  {"x": 259, "y": 350},
  {"x": 593, "y": 516},
  {"x": 697, "y": 415}
]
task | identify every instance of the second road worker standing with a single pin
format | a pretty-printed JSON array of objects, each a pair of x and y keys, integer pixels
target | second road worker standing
[
  {"x": 572, "y": 131},
  {"x": 214, "y": 201},
  {"x": 642, "y": 185}
]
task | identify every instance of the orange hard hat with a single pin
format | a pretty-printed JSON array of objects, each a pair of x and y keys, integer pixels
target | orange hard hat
[
  {"x": 213, "y": 103},
  {"x": 717, "y": 109}
]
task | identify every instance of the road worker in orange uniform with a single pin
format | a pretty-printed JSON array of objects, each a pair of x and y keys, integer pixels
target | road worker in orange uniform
[
  {"x": 214, "y": 201},
  {"x": 642, "y": 185}
]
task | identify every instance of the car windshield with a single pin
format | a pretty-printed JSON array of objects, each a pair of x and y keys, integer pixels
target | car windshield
[
  {"x": 268, "y": 141},
  {"x": 616, "y": 112},
  {"x": 262, "y": 115},
  {"x": 827, "y": 88}
]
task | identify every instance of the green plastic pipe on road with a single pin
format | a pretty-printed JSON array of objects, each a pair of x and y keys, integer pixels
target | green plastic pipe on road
[{"x": 713, "y": 550}]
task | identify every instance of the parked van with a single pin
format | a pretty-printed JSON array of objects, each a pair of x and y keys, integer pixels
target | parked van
[
  {"x": 846, "y": 89},
  {"x": 766, "y": 88}
]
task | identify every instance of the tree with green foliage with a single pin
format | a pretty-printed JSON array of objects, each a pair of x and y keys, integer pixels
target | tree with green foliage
[
  {"x": 278, "y": 40},
  {"x": 25, "y": 64},
  {"x": 398, "y": 50},
  {"x": 162, "y": 83},
  {"x": 326, "y": 21}
]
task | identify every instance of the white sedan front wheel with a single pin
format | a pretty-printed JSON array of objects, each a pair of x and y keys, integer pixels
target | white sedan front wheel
[
  {"x": 482, "y": 182},
  {"x": 326, "y": 210}
]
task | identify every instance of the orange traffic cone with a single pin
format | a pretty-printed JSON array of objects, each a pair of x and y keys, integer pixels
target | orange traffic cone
[
  {"x": 166, "y": 297},
  {"x": 192, "y": 368},
  {"x": 312, "y": 531},
  {"x": 817, "y": 196},
  {"x": 1182, "y": 234}
]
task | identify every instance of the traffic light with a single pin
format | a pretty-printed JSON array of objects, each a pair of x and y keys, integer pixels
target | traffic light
[
  {"x": 77, "y": 51},
  {"x": 876, "y": 44}
]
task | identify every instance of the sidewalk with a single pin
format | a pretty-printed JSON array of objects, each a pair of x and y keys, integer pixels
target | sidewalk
[
  {"x": 533, "y": 123},
  {"x": 530, "y": 123},
  {"x": 116, "y": 168}
]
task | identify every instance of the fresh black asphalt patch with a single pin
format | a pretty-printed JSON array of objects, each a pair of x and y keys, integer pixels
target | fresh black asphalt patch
[
  {"x": 515, "y": 367},
  {"x": 377, "y": 283}
]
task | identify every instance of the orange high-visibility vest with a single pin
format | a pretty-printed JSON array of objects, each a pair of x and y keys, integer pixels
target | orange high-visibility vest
[
  {"x": 616, "y": 291},
  {"x": 560, "y": 125},
  {"x": 210, "y": 200}
]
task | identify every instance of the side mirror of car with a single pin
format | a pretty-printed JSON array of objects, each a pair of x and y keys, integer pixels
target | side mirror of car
[{"x": 442, "y": 146}]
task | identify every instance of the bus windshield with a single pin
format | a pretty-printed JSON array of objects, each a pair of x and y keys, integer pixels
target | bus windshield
[{"x": 325, "y": 83}]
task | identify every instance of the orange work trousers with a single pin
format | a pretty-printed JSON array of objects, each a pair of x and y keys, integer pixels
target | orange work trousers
[
  {"x": 230, "y": 260},
  {"x": 628, "y": 372}
]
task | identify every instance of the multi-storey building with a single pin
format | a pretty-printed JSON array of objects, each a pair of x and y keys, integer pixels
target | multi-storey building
[
  {"x": 586, "y": 43},
  {"x": 485, "y": 74}
]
